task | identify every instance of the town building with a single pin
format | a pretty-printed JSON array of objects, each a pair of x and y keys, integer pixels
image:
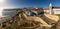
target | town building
[{"x": 52, "y": 9}]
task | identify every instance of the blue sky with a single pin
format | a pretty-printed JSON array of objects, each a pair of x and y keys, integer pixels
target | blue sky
[{"x": 30, "y": 3}]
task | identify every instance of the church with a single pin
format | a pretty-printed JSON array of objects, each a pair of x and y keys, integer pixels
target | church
[{"x": 52, "y": 9}]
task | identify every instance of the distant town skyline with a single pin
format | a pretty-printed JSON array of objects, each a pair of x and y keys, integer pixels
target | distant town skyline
[{"x": 30, "y": 3}]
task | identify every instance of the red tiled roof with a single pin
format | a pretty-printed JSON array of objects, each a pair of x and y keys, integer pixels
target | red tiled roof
[
  {"x": 45, "y": 8},
  {"x": 36, "y": 9},
  {"x": 56, "y": 7}
]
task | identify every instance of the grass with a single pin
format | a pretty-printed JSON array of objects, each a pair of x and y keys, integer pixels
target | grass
[{"x": 58, "y": 14}]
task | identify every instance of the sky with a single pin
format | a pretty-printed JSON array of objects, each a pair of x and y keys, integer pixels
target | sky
[
  {"x": 26, "y": 3},
  {"x": 29, "y": 3}
]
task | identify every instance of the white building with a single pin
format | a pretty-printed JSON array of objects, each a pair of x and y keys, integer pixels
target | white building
[
  {"x": 56, "y": 10},
  {"x": 52, "y": 10}
]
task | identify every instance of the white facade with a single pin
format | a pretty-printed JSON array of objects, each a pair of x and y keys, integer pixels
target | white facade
[
  {"x": 49, "y": 10},
  {"x": 46, "y": 11},
  {"x": 56, "y": 11},
  {"x": 53, "y": 10}
]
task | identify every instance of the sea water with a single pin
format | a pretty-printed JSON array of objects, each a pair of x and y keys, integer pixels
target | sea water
[{"x": 7, "y": 12}]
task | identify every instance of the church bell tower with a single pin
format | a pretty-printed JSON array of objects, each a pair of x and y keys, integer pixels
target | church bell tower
[{"x": 51, "y": 9}]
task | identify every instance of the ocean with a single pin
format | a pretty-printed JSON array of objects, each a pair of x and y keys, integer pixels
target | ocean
[{"x": 7, "y": 13}]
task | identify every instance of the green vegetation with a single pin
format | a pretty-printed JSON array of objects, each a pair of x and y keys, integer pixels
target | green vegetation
[
  {"x": 9, "y": 27},
  {"x": 58, "y": 14}
]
